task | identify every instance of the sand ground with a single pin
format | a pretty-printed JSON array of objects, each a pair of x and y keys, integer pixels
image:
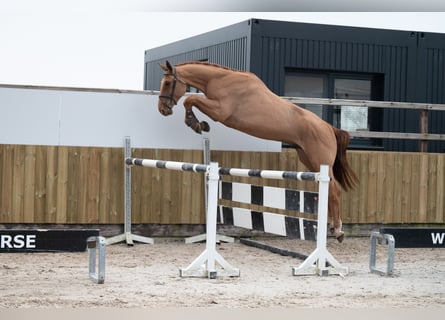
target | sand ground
[{"x": 147, "y": 276}]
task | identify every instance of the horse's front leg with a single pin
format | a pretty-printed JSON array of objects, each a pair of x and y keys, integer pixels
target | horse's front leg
[
  {"x": 190, "y": 117},
  {"x": 193, "y": 122}
]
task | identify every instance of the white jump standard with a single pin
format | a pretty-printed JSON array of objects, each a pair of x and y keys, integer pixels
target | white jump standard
[
  {"x": 205, "y": 264},
  {"x": 320, "y": 261}
]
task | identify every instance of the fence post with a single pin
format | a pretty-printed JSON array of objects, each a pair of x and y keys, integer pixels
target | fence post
[{"x": 423, "y": 144}]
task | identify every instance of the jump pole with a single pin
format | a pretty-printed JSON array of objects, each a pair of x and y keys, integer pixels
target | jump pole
[{"x": 127, "y": 236}]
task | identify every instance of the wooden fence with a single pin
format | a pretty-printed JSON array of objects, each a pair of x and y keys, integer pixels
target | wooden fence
[
  {"x": 423, "y": 136},
  {"x": 84, "y": 185}
]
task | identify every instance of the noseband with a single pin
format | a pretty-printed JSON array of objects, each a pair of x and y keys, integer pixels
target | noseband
[{"x": 171, "y": 96}]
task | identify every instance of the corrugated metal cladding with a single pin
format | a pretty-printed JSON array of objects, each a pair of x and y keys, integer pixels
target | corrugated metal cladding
[
  {"x": 232, "y": 53},
  {"x": 434, "y": 56},
  {"x": 411, "y": 64},
  {"x": 228, "y": 46}
]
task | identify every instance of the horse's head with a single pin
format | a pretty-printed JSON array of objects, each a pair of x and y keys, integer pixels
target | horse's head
[{"x": 172, "y": 89}]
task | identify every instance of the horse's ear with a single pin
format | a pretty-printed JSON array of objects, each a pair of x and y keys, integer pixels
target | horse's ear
[
  {"x": 169, "y": 66},
  {"x": 163, "y": 67}
]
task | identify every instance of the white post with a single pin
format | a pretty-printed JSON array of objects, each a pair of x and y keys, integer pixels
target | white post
[
  {"x": 205, "y": 264},
  {"x": 212, "y": 207},
  {"x": 323, "y": 196},
  {"x": 202, "y": 237},
  {"x": 320, "y": 261}
]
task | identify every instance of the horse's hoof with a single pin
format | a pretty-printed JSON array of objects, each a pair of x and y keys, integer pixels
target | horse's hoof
[
  {"x": 205, "y": 126},
  {"x": 341, "y": 237},
  {"x": 197, "y": 129}
]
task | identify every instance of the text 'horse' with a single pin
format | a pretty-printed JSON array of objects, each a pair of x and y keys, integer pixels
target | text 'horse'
[{"x": 240, "y": 100}]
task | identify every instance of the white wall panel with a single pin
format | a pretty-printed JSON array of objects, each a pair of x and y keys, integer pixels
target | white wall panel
[{"x": 102, "y": 118}]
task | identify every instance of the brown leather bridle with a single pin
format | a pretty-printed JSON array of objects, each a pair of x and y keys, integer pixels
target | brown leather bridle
[{"x": 172, "y": 94}]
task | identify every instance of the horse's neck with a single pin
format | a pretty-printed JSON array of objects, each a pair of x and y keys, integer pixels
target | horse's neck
[{"x": 197, "y": 76}]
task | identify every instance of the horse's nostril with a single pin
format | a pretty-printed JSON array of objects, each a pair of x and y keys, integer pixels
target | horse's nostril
[{"x": 164, "y": 112}]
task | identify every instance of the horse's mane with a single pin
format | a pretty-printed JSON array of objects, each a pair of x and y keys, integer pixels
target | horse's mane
[{"x": 209, "y": 64}]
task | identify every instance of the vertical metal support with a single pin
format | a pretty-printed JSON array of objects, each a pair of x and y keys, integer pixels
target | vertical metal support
[
  {"x": 205, "y": 264},
  {"x": 206, "y": 147},
  {"x": 93, "y": 244},
  {"x": 321, "y": 261},
  {"x": 127, "y": 190},
  {"x": 127, "y": 236},
  {"x": 382, "y": 239}
]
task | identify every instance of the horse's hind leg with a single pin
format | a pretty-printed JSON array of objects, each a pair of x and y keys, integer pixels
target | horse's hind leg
[
  {"x": 334, "y": 209},
  {"x": 334, "y": 194}
]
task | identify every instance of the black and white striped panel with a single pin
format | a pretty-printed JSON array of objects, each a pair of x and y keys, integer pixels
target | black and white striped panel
[
  {"x": 273, "y": 197},
  {"x": 287, "y": 226}
]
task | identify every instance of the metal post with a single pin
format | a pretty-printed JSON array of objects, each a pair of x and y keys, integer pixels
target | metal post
[
  {"x": 383, "y": 239},
  {"x": 206, "y": 148},
  {"x": 127, "y": 236},
  {"x": 93, "y": 244},
  {"x": 127, "y": 187}
]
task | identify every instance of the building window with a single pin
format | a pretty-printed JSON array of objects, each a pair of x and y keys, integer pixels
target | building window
[
  {"x": 307, "y": 85},
  {"x": 352, "y": 118},
  {"x": 340, "y": 86}
]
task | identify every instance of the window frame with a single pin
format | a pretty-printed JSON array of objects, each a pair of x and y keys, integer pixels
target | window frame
[{"x": 332, "y": 114}]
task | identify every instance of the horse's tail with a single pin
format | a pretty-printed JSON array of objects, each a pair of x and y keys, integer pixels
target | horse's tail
[{"x": 342, "y": 171}]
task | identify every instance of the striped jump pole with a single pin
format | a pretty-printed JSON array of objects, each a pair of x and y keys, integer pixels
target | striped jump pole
[
  {"x": 248, "y": 173},
  {"x": 320, "y": 261}
]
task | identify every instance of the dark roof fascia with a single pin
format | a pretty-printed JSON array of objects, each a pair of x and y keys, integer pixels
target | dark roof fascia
[{"x": 313, "y": 31}]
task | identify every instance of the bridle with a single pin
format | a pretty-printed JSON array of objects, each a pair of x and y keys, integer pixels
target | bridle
[{"x": 171, "y": 96}]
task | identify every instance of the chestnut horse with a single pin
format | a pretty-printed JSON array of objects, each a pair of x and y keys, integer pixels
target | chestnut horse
[{"x": 240, "y": 100}]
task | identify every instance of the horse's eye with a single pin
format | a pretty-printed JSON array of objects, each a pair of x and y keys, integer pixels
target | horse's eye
[{"x": 167, "y": 83}]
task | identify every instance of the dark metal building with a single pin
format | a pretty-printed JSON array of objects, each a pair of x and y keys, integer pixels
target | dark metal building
[{"x": 313, "y": 60}]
